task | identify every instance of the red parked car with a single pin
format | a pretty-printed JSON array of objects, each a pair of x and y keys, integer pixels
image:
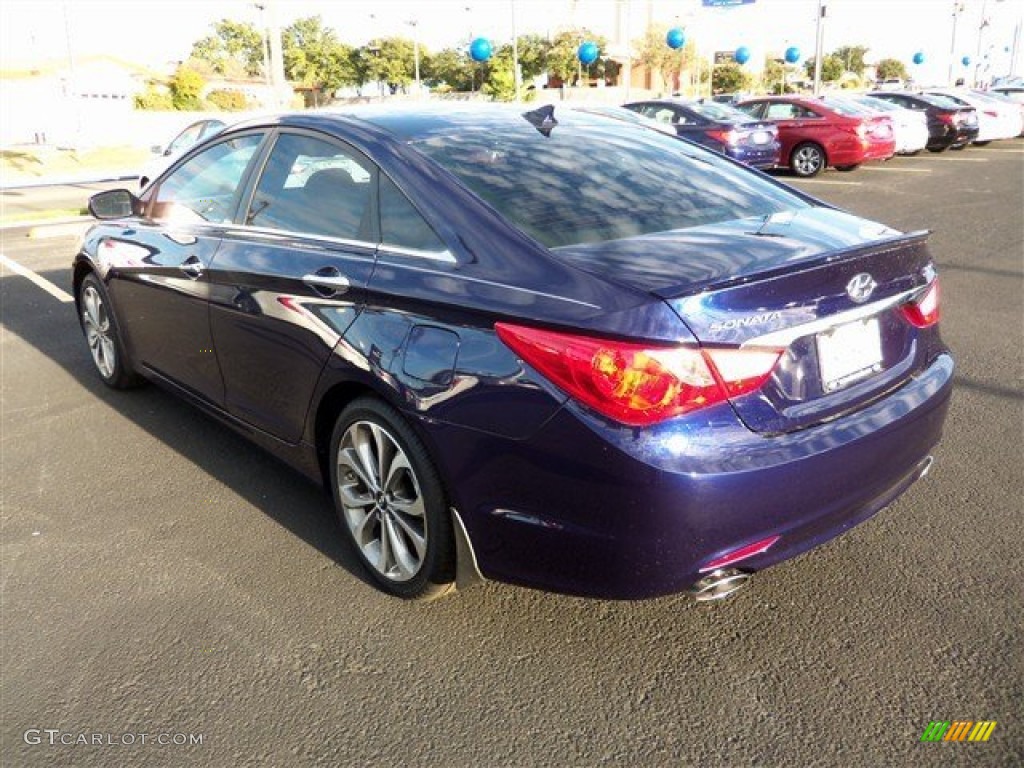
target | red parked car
[{"x": 815, "y": 134}]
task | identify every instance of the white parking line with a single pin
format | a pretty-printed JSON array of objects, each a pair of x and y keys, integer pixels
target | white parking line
[
  {"x": 42, "y": 282},
  {"x": 895, "y": 168},
  {"x": 830, "y": 181}
]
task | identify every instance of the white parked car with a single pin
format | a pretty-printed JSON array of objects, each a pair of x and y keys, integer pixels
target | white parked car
[
  {"x": 996, "y": 119},
  {"x": 176, "y": 147},
  {"x": 910, "y": 128}
]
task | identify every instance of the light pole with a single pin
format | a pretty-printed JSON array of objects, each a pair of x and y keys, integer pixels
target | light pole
[
  {"x": 818, "y": 44},
  {"x": 416, "y": 51},
  {"x": 265, "y": 42},
  {"x": 516, "y": 74},
  {"x": 958, "y": 8}
]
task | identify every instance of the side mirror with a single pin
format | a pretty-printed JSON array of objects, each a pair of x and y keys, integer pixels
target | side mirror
[{"x": 113, "y": 204}]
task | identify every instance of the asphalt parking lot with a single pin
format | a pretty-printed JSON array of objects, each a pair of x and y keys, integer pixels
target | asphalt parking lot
[{"x": 161, "y": 577}]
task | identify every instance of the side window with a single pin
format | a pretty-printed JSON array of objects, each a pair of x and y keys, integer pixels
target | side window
[
  {"x": 803, "y": 113},
  {"x": 204, "y": 188},
  {"x": 754, "y": 110},
  {"x": 401, "y": 224},
  {"x": 314, "y": 187},
  {"x": 781, "y": 111}
]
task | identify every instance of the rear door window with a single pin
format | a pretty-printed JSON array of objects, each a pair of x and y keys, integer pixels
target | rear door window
[{"x": 401, "y": 224}]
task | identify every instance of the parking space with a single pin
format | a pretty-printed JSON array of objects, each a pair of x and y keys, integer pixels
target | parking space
[{"x": 163, "y": 576}]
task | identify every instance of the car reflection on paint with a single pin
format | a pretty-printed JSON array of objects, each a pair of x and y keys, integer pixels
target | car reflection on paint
[{"x": 540, "y": 347}]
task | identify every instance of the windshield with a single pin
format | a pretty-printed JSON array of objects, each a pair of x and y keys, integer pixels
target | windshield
[
  {"x": 593, "y": 179},
  {"x": 848, "y": 108},
  {"x": 879, "y": 105},
  {"x": 940, "y": 101},
  {"x": 714, "y": 111}
]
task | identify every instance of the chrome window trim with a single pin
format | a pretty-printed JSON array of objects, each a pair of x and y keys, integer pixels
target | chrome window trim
[
  {"x": 281, "y": 235},
  {"x": 445, "y": 256}
]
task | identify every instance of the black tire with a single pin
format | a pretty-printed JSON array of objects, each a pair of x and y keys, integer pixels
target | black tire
[
  {"x": 981, "y": 143},
  {"x": 943, "y": 148},
  {"x": 381, "y": 520},
  {"x": 102, "y": 334},
  {"x": 807, "y": 159},
  {"x": 848, "y": 168},
  {"x": 959, "y": 147},
  {"x": 915, "y": 153}
]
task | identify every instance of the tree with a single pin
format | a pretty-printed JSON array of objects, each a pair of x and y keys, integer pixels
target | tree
[
  {"x": 654, "y": 53},
  {"x": 533, "y": 55},
  {"x": 562, "y": 55},
  {"x": 186, "y": 85},
  {"x": 451, "y": 67},
  {"x": 852, "y": 57},
  {"x": 233, "y": 48},
  {"x": 500, "y": 79},
  {"x": 887, "y": 69},
  {"x": 389, "y": 60},
  {"x": 315, "y": 57},
  {"x": 773, "y": 79},
  {"x": 729, "y": 77},
  {"x": 832, "y": 68}
]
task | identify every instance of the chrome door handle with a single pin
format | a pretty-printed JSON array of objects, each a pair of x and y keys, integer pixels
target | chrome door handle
[
  {"x": 192, "y": 267},
  {"x": 327, "y": 281}
]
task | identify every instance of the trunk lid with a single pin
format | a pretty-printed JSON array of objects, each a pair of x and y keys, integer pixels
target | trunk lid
[{"x": 823, "y": 286}]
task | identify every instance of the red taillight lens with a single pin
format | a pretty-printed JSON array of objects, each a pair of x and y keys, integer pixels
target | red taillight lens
[
  {"x": 923, "y": 312},
  {"x": 726, "y": 137},
  {"x": 946, "y": 117},
  {"x": 636, "y": 384}
]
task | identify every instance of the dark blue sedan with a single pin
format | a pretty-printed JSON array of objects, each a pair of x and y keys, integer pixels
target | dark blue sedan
[
  {"x": 540, "y": 347},
  {"x": 719, "y": 127}
]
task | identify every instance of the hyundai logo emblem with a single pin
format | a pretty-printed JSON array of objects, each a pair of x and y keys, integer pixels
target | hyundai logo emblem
[{"x": 861, "y": 287}]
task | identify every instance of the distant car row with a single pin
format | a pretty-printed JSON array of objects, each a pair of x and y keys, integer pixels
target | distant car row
[{"x": 841, "y": 131}]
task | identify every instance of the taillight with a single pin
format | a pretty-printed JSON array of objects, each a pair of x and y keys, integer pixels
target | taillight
[
  {"x": 637, "y": 384},
  {"x": 923, "y": 311},
  {"x": 726, "y": 137},
  {"x": 947, "y": 117}
]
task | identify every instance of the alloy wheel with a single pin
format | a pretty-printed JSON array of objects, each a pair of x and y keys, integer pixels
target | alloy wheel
[
  {"x": 381, "y": 500},
  {"x": 98, "y": 332},
  {"x": 807, "y": 161}
]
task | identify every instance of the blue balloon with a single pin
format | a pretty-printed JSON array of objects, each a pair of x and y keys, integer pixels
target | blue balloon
[
  {"x": 966, "y": 61},
  {"x": 480, "y": 49},
  {"x": 792, "y": 55},
  {"x": 588, "y": 53},
  {"x": 675, "y": 39},
  {"x": 742, "y": 55},
  {"x": 918, "y": 58}
]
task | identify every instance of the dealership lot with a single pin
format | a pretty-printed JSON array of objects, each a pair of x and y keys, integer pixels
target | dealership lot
[{"x": 161, "y": 576}]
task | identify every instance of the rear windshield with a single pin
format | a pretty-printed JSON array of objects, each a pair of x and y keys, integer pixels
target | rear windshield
[
  {"x": 940, "y": 101},
  {"x": 714, "y": 111},
  {"x": 593, "y": 179},
  {"x": 847, "y": 108}
]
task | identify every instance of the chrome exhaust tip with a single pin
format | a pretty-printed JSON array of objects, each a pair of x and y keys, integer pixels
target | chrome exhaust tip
[{"x": 719, "y": 584}]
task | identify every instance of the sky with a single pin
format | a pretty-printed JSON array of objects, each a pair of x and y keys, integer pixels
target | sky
[{"x": 154, "y": 32}]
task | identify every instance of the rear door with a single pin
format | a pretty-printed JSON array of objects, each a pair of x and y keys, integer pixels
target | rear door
[{"x": 290, "y": 277}]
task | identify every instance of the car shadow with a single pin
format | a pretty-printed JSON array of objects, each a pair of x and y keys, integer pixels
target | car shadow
[{"x": 283, "y": 494}]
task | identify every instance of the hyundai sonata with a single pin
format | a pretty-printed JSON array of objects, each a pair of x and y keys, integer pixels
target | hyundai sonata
[{"x": 542, "y": 347}]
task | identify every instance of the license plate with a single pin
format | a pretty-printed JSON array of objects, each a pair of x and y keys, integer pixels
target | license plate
[
  {"x": 760, "y": 137},
  {"x": 849, "y": 353}
]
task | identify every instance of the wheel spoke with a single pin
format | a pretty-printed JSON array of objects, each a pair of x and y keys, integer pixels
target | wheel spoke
[
  {"x": 418, "y": 540},
  {"x": 365, "y": 449},
  {"x": 353, "y": 496},
  {"x": 362, "y": 527},
  {"x": 403, "y": 559},
  {"x": 349, "y": 458}
]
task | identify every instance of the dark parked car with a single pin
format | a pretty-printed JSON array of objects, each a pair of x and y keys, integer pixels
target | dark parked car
[
  {"x": 717, "y": 127},
  {"x": 950, "y": 125},
  {"x": 816, "y": 134},
  {"x": 546, "y": 346}
]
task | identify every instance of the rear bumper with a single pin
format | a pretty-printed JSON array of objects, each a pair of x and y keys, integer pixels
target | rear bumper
[{"x": 585, "y": 509}]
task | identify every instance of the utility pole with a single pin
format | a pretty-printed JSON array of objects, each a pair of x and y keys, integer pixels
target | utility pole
[
  {"x": 416, "y": 52},
  {"x": 958, "y": 8},
  {"x": 818, "y": 44},
  {"x": 516, "y": 74}
]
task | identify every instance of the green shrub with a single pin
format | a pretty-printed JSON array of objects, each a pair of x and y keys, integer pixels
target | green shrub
[
  {"x": 153, "y": 99},
  {"x": 229, "y": 101}
]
